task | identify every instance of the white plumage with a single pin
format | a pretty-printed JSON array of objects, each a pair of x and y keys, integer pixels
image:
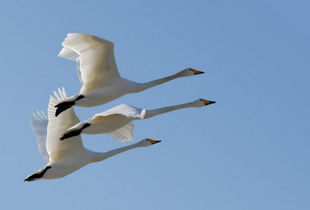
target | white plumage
[
  {"x": 95, "y": 56},
  {"x": 39, "y": 126},
  {"x": 65, "y": 157},
  {"x": 97, "y": 69},
  {"x": 117, "y": 121},
  {"x": 100, "y": 83}
]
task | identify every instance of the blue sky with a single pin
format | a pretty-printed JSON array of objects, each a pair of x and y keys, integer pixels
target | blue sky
[{"x": 248, "y": 151}]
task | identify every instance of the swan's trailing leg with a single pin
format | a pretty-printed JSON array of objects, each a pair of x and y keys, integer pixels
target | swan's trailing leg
[
  {"x": 66, "y": 105},
  {"x": 37, "y": 175},
  {"x": 75, "y": 131}
]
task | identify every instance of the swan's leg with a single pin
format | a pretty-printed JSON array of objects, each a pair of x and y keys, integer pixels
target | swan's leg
[
  {"x": 75, "y": 132},
  {"x": 66, "y": 105},
  {"x": 37, "y": 175}
]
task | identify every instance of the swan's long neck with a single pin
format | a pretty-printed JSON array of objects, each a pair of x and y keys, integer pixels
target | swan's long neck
[
  {"x": 147, "y": 85},
  {"x": 153, "y": 112},
  {"x": 97, "y": 156}
]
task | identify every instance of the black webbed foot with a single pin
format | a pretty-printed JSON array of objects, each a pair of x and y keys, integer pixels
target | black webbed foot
[{"x": 63, "y": 106}]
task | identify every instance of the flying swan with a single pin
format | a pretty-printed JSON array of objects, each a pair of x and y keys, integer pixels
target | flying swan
[
  {"x": 117, "y": 121},
  {"x": 98, "y": 73},
  {"x": 65, "y": 157}
]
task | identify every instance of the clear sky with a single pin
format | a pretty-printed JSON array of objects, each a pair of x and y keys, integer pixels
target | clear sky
[{"x": 250, "y": 151}]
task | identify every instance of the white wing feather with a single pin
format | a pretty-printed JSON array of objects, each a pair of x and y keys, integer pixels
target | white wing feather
[
  {"x": 68, "y": 54},
  {"x": 39, "y": 126},
  {"x": 78, "y": 71},
  {"x": 59, "y": 96},
  {"x": 124, "y": 133},
  {"x": 125, "y": 110},
  {"x": 57, "y": 126},
  {"x": 96, "y": 59},
  {"x": 72, "y": 56}
]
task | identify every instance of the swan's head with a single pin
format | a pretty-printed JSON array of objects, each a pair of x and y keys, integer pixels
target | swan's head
[
  {"x": 147, "y": 142},
  {"x": 203, "y": 102},
  {"x": 189, "y": 72}
]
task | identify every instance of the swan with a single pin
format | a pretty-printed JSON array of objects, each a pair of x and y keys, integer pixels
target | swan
[
  {"x": 65, "y": 157},
  {"x": 117, "y": 120},
  {"x": 98, "y": 73}
]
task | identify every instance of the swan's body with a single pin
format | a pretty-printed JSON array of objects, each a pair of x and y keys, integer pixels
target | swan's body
[
  {"x": 117, "y": 121},
  {"x": 65, "y": 157},
  {"x": 97, "y": 69}
]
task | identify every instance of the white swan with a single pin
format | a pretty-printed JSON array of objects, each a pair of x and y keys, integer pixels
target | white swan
[
  {"x": 117, "y": 121},
  {"x": 65, "y": 157},
  {"x": 97, "y": 70}
]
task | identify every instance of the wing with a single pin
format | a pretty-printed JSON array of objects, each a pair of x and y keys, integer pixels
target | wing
[
  {"x": 95, "y": 56},
  {"x": 124, "y": 133},
  {"x": 39, "y": 126},
  {"x": 78, "y": 71},
  {"x": 118, "y": 119},
  {"x": 57, "y": 149},
  {"x": 125, "y": 110}
]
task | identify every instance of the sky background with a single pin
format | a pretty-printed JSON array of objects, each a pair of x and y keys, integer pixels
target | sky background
[{"x": 249, "y": 151}]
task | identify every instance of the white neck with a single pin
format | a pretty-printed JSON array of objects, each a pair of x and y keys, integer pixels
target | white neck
[
  {"x": 147, "y": 85},
  {"x": 154, "y": 112},
  {"x": 98, "y": 156}
]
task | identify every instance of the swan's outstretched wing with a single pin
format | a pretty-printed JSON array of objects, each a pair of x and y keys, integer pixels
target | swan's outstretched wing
[
  {"x": 39, "y": 126},
  {"x": 120, "y": 115},
  {"x": 57, "y": 126},
  {"x": 125, "y": 110},
  {"x": 95, "y": 57}
]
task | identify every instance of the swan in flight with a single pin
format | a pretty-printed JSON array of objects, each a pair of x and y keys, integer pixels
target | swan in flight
[
  {"x": 117, "y": 121},
  {"x": 65, "y": 157},
  {"x": 98, "y": 73}
]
